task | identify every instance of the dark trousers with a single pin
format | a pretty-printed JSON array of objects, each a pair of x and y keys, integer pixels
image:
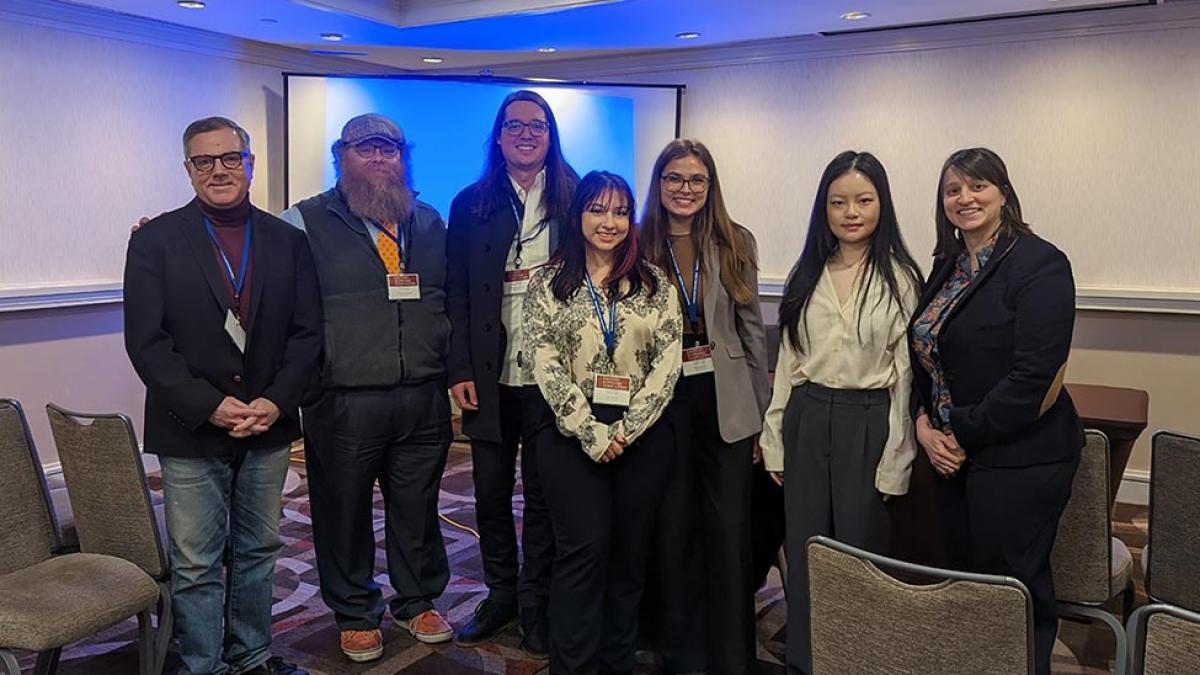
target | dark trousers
[
  {"x": 702, "y": 554},
  {"x": 1004, "y": 521},
  {"x": 398, "y": 437},
  {"x": 767, "y": 525},
  {"x": 523, "y": 415},
  {"x": 602, "y": 516},
  {"x": 832, "y": 439}
]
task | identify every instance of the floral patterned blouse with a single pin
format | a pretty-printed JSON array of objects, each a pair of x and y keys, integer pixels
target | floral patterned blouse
[
  {"x": 567, "y": 348},
  {"x": 928, "y": 327}
]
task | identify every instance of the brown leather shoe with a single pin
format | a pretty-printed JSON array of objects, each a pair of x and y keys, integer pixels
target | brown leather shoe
[
  {"x": 362, "y": 645},
  {"x": 428, "y": 627}
]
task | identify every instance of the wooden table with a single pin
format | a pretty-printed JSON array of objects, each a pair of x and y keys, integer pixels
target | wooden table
[{"x": 1120, "y": 413}]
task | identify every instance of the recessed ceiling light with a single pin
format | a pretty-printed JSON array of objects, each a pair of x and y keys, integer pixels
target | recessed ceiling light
[
  {"x": 332, "y": 37},
  {"x": 856, "y": 16},
  {"x": 689, "y": 35},
  {"x": 547, "y": 50},
  {"x": 190, "y": 4},
  {"x": 432, "y": 59}
]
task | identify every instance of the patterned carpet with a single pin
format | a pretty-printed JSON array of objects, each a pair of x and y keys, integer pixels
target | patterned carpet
[{"x": 305, "y": 632}]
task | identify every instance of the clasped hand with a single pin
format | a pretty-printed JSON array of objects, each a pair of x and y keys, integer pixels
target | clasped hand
[{"x": 244, "y": 419}]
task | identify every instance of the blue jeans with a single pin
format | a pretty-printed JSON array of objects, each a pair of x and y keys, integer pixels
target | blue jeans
[{"x": 223, "y": 622}]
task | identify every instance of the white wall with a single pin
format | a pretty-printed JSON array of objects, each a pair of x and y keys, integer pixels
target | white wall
[{"x": 92, "y": 107}]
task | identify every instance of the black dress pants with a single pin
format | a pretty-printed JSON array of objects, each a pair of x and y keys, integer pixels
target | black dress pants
[
  {"x": 523, "y": 415},
  {"x": 1004, "y": 521},
  {"x": 399, "y": 437},
  {"x": 602, "y": 516},
  {"x": 833, "y": 440},
  {"x": 703, "y": 562}
]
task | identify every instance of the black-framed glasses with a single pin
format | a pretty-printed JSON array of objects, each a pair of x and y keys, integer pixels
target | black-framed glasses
[
  {"x": 229, "y": 160},
  {"x": 516, "y": 127},
  {"x": 367, "y": 149},
  {"x": 675, "y": 182}
]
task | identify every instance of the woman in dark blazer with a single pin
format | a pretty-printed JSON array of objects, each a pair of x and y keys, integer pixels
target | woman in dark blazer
[
  {"x": 703, "y": 570},
  {"x": 990, "y": 340}
]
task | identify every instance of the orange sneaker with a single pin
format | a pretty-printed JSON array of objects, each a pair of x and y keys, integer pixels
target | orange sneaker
[
  {"x": 428, "y": 627},
  {"x": 362, "y": 645}
]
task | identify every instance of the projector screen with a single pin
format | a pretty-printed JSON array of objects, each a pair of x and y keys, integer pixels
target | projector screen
[{"x": 618, "y": 128}]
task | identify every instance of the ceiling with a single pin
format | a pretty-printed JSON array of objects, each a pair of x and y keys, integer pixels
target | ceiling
[{"x": 475, "y": 33}]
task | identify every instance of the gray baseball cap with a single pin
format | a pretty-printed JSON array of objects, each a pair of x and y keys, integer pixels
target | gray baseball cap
[{"x": 371, "y": 125}]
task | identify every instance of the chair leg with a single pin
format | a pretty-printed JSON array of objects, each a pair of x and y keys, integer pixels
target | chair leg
[
  {"x": 782, "y": 562},
  {"x": 1127, "y": 598},
  {"x": 166, "y": 627},
  {"x": 8, "y": 661},
  {"x": 1109, "y": 620},
  {"x": 145, "y": 642},
  {"x": 47, "y": 661}
]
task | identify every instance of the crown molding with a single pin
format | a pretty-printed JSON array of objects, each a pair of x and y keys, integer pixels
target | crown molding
[
  {"x": 1176, "y": 14},
  {"x": 127, "y": 28}
]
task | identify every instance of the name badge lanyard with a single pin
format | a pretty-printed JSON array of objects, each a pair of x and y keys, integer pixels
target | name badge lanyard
[
  {"x": 609, "y": 329},
  {"x": 238, "y": 281},
  {"x": 520, "y": 243},
  {"x": 690, "y": 300},
  {"x": 399, "y": 239}
]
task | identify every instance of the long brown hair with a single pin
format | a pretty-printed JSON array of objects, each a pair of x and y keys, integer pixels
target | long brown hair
[
  {"x": 976, "y": 164},
  {"x": 711, "y": 224}
]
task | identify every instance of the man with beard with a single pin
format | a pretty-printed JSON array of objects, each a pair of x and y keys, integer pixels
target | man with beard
[
  {"x": 502, "y": 227},
  {"x": 383, "y": 414}
]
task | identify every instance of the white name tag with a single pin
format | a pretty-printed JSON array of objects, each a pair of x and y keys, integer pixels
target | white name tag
[
  {"x": 611, "y": 390},
  {"x": 697, "y": 360},
  {"x": 404, "y": 286},
  {"x": 234, "y": 329},
  {"x": 516, "y": 282}
]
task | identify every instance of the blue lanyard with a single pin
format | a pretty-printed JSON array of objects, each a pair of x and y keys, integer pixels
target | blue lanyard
[
  {"x": 240, "y": 280},
  {"x": 398, "y": 238},
  {"x": 689, "y": 300},
  {"x": 609, "y": 330}
]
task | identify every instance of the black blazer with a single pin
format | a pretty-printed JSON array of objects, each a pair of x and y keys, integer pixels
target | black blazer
[
  {"x": 476, "y": 252},
  {"x": 1001, "y": 348},
  {"x": 175, "y": 306}
]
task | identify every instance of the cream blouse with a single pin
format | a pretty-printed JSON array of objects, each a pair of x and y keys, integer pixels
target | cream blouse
[
  {"x": 834, "y": 356},
  {"x": 567, "y": 348}
]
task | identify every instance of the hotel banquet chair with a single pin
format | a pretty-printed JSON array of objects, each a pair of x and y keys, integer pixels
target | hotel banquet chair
[
  {"x": 1173, "y": 571},
  {"x": 864, "y": 620},
  {"x": 1164, "y": 640},
  {"x": 114, "y": 515},
  {"x": 1090, "y": 565},
  {"x": 49, "y": 601}
]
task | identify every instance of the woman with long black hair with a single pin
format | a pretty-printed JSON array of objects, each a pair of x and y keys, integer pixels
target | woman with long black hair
[
  {"x": 839, "y": 426},
  {"x": 603, "y": 329}
]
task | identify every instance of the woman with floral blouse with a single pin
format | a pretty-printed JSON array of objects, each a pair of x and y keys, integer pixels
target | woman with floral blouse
[{"x": 604, "y": 330}]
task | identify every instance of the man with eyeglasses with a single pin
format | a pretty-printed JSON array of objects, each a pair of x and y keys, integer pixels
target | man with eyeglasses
[
  {"x": 501, "y": 228},
  {"x": 222, "y": 324},
  {"x": 382, "y": 413}
]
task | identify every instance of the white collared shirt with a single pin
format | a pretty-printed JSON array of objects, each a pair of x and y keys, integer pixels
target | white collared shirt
[{"x": 535, "y": 251}]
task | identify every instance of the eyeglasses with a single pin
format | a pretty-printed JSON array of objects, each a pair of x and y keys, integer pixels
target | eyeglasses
[
  {"x": 674, "y": 182},
  {"x": 516, "y": 127},
  {"x": 367, "y": 149},
  {"x": 229, "y": 160}
]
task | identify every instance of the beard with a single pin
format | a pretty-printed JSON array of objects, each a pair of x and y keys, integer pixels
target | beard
[{"x": 386, "y": 198}]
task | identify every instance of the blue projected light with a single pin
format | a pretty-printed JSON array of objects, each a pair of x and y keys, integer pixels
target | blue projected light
[{"x": 449, "y": 122}]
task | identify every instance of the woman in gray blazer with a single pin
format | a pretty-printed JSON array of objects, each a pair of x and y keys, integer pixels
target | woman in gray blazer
[{"x": 703, "y": 545}]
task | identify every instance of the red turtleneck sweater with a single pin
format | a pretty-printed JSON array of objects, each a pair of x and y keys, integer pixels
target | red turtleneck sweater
[{"x": 230, "y": 227}]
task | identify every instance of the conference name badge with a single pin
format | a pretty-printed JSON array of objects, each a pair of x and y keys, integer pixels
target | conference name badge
[
  {"x": 404, "y": 286},
  {"x": 234, "y": 329},
  {"x": 611, "y": 390},
  {"x": 697, "y": 360},
  {"x": 516, "y": 282}
]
